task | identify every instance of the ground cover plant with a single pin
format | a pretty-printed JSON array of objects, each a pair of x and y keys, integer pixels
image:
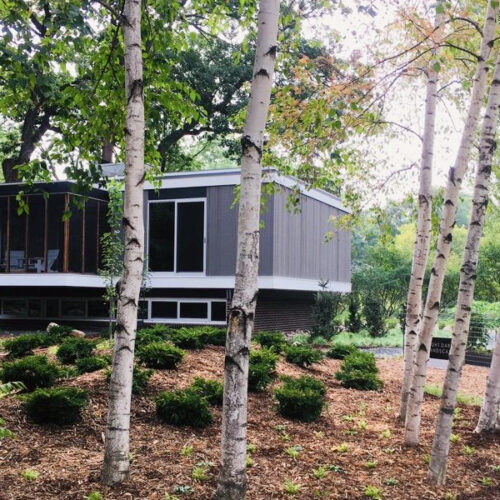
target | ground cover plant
[
  {"x": 184, "y": 407},
  {"x": 211, "y": 390},
  {"x": 56, "y": 405},
  {"x": 72, "y": 349},
  {"x": 92, "y": 363},
  {"x": 161, "y": 355},
  {"x": 302, "y": 355},
  {"x": 340, "y": 351},
  {"x": 262, "y": 365},
  {"x": 32, "y": 371},
  {"x": 275, "y": 341},
  {"x": 359, "y": 371}
]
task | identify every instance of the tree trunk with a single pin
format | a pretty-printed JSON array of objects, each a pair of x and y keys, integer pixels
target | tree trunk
[
  {"x": 456, "y": 174},
  {"x": 468, "y": 274},
  {"x": 232, "y": 478},
  {"x": 423, "y": 235},
  {"x": 116, "y": 459},
  {"x": 489, "y": 417}
]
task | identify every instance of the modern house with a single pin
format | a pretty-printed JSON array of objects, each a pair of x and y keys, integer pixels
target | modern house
[{"x": 49, "y": 261}]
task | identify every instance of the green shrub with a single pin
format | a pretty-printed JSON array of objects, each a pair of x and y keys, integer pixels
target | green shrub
[
  {"x": 359, "y": 371},
  {"x": 326, "y": 309},
  {"x": 261, "y": 367},
  {"x": 302, "y": 355},
  {"x": 74, "y": 348},
  {"x": 32, "y": 371},
  {"x": 187, "y": 338},
  {"x": 23, "y": 345},
  {"x": 58, "y": 333},
  {"x": 214, "y": 336},
  {"x": 272, "y": 340},
  {"x": 155, "y": 333},
  {"x": 340, "y": 351},
  {"x": 302, "y": 398},
  {"x": 92, "y": 363},
  {"x": 374, "y": 315},
  {"x": 354, "y": 323},
  {"x": 140, "y": 379},
  {"x": 160, "y": 354},
  {"x": 184, "y": 407},
  {"x": 212, "y": 390},
  {"x": 57, "y": 405}
]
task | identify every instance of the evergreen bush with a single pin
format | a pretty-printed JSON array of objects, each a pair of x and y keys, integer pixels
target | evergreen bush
[
  {"x": 140, "y": 379},
  {"x": 326, "y": 308},
  {"x": 212, "y": 390},
  {"x": 187, "y": 338},
  {"x": 359, "y": 371},
  {"x": 58, "y": 333},
  {"x": 57, "y": 405},
  {"x": 184, "y": 407},
  {"x": 354, "y": 323},
  {"x": 32, "y": 371},
  {"x": 214, "y": 336},
  {"x": 23, "y": 345},
  {"x": 340, "y": 351},
  {"x": 92, "y": 363},
  {"x": 374, "y": 316},
  {"x": 303, "y": 356},
  {"x": 160, "y": 354},
  {"x": 272, "y": 340},
  {"x": 155, "y": 333},
  {"x": 301, "y": 398},
  {"x": 74, "y": 348},
  {"x": 261, "y": 367}
]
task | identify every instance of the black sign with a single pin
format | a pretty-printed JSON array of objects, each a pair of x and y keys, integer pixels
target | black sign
[{"x": 440, "y": 348}]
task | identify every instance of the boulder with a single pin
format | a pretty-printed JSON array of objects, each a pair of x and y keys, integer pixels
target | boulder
[
  {"x": 51, "y": 325},
  {"x": 77, "y": 333}
]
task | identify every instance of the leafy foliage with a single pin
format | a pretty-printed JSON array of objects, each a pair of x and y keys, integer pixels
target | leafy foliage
[
  {"x": 184, "y": 407},
  {"x": 327, "y": 306},
  {"x": 302, "y": 398},
  {"x": 74, "y": 348},
  {"x": 140, "y": 379},
  {"x": 272, "y": 340},
  {"x": 59, "y": 405},
  {"x": 161, "y": 355},
  {"x": 302, "y": 356},
  {"x": 187, "y": 338},
  {"x": 58, "y": 333},
  {"x": 340, "y": 351},
  {"x": 359, "y": 371},
  {"x": 92, "y": 363},
  {"x": 32, "y": 371},
  {"x": 145, "y": 336},
  {"x": 212, "y": 390},
  {"x": 213, "y": 336},
  {"x": 23, "y": 345},
  {"x": 262, "y": 364},
  {"x": 374, "y": 315}
]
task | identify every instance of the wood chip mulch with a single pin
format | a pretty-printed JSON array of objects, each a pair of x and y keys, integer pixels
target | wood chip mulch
[{"x": 68, "y": 460}]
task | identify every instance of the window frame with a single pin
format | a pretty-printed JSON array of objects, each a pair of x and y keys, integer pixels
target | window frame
[
  {"x": 184, "y": 321},
  {"x": 176, "y": 201}
]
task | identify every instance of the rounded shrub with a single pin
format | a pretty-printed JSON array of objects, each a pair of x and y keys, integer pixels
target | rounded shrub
[
  {"x": 213, "y": 336},
  {"x": 301, "y": 398},
  {"x": 140, "y": 379},
  {"x": 161, "y": 355},
  {"x": 23, "y": 345},
  {"x": 212, "y": 390},
  {"x": 261, "y": 367},
  {"x": 155, "y": 333},
  {"x": 187, "y": 338},
  {"x": 32, "y": 371},
  {"x": 302, "y": 355},
  {"x": 184, "y": 407},
  {"x": 359, "y": 371},
  {"x": 57, "y": 405},
  {"x": 74, "y": 348},
  {"x": 340, "y": 351},
  {"x": 272, "y": 340},
  {"x": 92, "y": 363},
  {"x": 58, "y": 333}
]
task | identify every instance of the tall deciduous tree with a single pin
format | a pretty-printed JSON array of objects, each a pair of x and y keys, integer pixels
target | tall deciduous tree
[
  {"x": 489, "y": 419},
  {"x": 116, "y": 459},
  {"x": 454, "y": 183},
  {"x": 468, "y": 274},
  {"x": 232, "y": 478},
  {"x": 424, "y": 225}
]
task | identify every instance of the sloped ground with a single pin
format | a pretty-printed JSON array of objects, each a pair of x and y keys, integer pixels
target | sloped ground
[{"x": 68, "y": 460}]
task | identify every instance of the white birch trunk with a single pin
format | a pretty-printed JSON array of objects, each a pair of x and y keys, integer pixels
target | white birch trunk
[
  {"x": 456, "y": 174},
  {"x": 232, "y": 480},
  {"x": 116, "y": 459},
  {"x": 468, "y": 275},
  {"x": 423, "y": 233},
  {"x": 489, "y": 417}
]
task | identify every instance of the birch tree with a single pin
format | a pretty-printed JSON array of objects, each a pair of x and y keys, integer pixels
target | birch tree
[
  {"x": 489, "y": 416},
  {"x": 424, "y": 226},
  {"x": 468, "y": 274},
  {"x": 454, "y": 183},
  {"x": 116, "y": 459},
  {"x": 232, "y": 478}
]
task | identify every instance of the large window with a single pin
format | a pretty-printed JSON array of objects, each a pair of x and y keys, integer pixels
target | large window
[
  {"x": 177, "y": 236},
  {"x": 188, "y": 310}
]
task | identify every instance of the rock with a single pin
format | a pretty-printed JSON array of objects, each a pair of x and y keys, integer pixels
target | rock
[
  {"x": 50, "y": 326},
  {"x": 76, "y": 333}
]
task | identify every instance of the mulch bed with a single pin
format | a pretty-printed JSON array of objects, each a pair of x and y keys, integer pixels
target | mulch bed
[{"x": 68, "y": 460}]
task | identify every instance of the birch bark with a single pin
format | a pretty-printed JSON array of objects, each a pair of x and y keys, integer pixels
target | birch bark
[
  {"x": 116, "y": 458},
  {"x": 454, "y": 183},
  {"x": 468, "y": 274},
  {"x": 232, "y": 479},
  {"x": 489, "y": 417},
  {"x": 423, "y": 234}
]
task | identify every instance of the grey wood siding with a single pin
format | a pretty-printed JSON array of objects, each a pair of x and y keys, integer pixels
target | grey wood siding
[
  {"x": 222, "y": 225},
  {"x": 300, "y": 249}
]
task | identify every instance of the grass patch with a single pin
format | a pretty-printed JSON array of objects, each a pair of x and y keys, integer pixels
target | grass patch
[
  {"x": 393, "y": 338},
  {"x": 465, "y": 399}
]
